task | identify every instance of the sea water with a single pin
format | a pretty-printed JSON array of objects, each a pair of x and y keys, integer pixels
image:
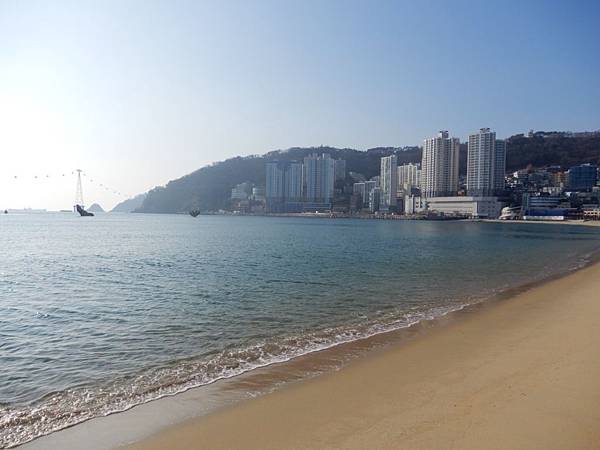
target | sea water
[{"x": 100, "y": 314}]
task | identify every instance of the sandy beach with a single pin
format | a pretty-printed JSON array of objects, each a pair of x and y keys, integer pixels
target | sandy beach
[
  {"x": 583, "y": 223},
  {"x": 521, "y": 373}
]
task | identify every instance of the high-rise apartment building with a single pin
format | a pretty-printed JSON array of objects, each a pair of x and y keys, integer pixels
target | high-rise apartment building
[
  {"x": 319, "y": 178},
  {"x": 363, "y": 190},
  {"x": 283, "y": 191},
  {"x": 486, "y": 164},
  {"x": 388, "y": 182},
  {"x": 274, "y": 186},
  {"x": 409, "y": 176},
  {"x": 375, "y": 199},
  {"x": 500, "y": 166},
  {"x": 340, "y": 169},
  {"x": 293, "y": 186},
  {"x": 358, "y": 190},
  {"x": 439, "y": 166},
  {"x": 369, "y": 186},
  {"x": 293, "y": 182}
]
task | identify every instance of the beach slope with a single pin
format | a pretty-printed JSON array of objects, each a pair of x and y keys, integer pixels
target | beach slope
[{"x": 522, "y": 373}]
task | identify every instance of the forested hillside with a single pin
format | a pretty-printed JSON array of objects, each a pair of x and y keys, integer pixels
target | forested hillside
[
  {"x": 130, "y": 205},
  {"x": 540, "y": 151}
]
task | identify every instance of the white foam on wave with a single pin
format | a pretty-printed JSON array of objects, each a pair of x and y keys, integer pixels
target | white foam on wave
[{"x": 72, "y": 406}]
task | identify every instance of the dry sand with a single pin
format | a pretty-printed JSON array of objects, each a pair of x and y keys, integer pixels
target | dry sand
[{"x": 522, "y": 373}]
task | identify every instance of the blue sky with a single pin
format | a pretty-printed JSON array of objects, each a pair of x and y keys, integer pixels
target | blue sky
[{"x": 139, "y": 92}]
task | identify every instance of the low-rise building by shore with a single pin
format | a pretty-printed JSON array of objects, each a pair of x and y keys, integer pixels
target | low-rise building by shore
[{"x": 468, "y": 206}]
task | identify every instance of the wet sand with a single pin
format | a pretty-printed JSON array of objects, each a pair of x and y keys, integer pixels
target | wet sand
[
  {"x": 584, "y": 223},
  {"x": 522, "y": 373}
]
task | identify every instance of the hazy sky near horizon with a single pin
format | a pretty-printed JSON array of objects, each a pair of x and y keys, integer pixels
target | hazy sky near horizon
[{"x": 140, "y": 92}]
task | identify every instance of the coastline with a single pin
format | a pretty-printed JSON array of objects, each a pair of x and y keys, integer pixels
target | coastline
[
  {"x": 520, "y": 373},
  {"x": 584, "y": 223},
  {"x": 401, "y": 217}
]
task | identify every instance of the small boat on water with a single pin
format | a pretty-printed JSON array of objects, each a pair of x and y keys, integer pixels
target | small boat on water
[
  {"x": 194, "y": 212},
  {"x": 82, "y": 212}
]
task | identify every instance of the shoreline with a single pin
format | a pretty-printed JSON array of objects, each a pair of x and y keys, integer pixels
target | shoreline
[
  {"x": 585, "y": 223},
  {"x": 402, "y": 217},
  {"x": 286, "y": 418},
  {"x": 139, "y": 423},
  {"x": 386, "y": 217}
]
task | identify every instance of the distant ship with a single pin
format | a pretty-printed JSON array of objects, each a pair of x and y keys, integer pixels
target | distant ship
[
  {"x": 82, "y": 212},
  {"x": 194, "y": 212}
]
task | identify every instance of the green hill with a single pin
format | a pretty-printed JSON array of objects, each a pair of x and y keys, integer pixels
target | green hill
[
  {"x": 545, "y": 149},
  {"x": 130, "y": 205}
]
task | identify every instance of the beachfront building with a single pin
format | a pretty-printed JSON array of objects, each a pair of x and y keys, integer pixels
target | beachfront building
[
  {"x": 362, "y": 190},
  {"x": 538, "y": 206},
  {"x": 319, "y": 180},
  {"x": 486, "y": 163},
  {"x": 292, "y": 186},
  {"x": 413, "y": 204},
  {"x": 258, "y": 194},
  {"x": 500, "y": 167},
  {"x": 466, "y": 206},
  {"x": 359, "y": 188},
  {"x": 583, "y": 177},
  {"x": 283, "y": 191},
  {"x": 409, "y": 176},
  {"x": 591, "y": 212},
  {"x": 374, "y": 199},
  {"x": 439, "y": 166},
  {"x": 358, "y": 194},
  {"x": 274, "y": 184},
  {"x": 388, "y": 182},
  {"x": 369, "y": 186}
]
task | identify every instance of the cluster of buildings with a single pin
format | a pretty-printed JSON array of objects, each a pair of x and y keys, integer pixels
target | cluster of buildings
[
  {"x": 486, "y": 165},
  {"x": 552, "y": 193},
  {"x": 247, "y": 197},
  {"x": 433, "y": 187},
  {"x": 294, "y": 186}
]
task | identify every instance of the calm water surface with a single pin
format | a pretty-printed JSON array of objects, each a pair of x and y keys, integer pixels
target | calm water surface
[{"x": 99, "y": 314}]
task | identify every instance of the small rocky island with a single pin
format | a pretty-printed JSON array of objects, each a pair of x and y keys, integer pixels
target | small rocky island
[{"x": 95, "y": 208}]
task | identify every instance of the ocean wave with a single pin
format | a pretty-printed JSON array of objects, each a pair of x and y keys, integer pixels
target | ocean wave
[{"x": 69, "y": 407}]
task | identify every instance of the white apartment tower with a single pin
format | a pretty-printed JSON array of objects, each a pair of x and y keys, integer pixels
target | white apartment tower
[
  {"x": 439, "y": 166},
  {"x": 409, "y": 176},
  {"x": 283, "y": 184},
  {"x": 486, "y": 164},
  {"x": 319, "y": 178},
  {"x": 275, "y": 172},
  {"x": 293, "y": 182},
  {"x": 388, "y": 181}
]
